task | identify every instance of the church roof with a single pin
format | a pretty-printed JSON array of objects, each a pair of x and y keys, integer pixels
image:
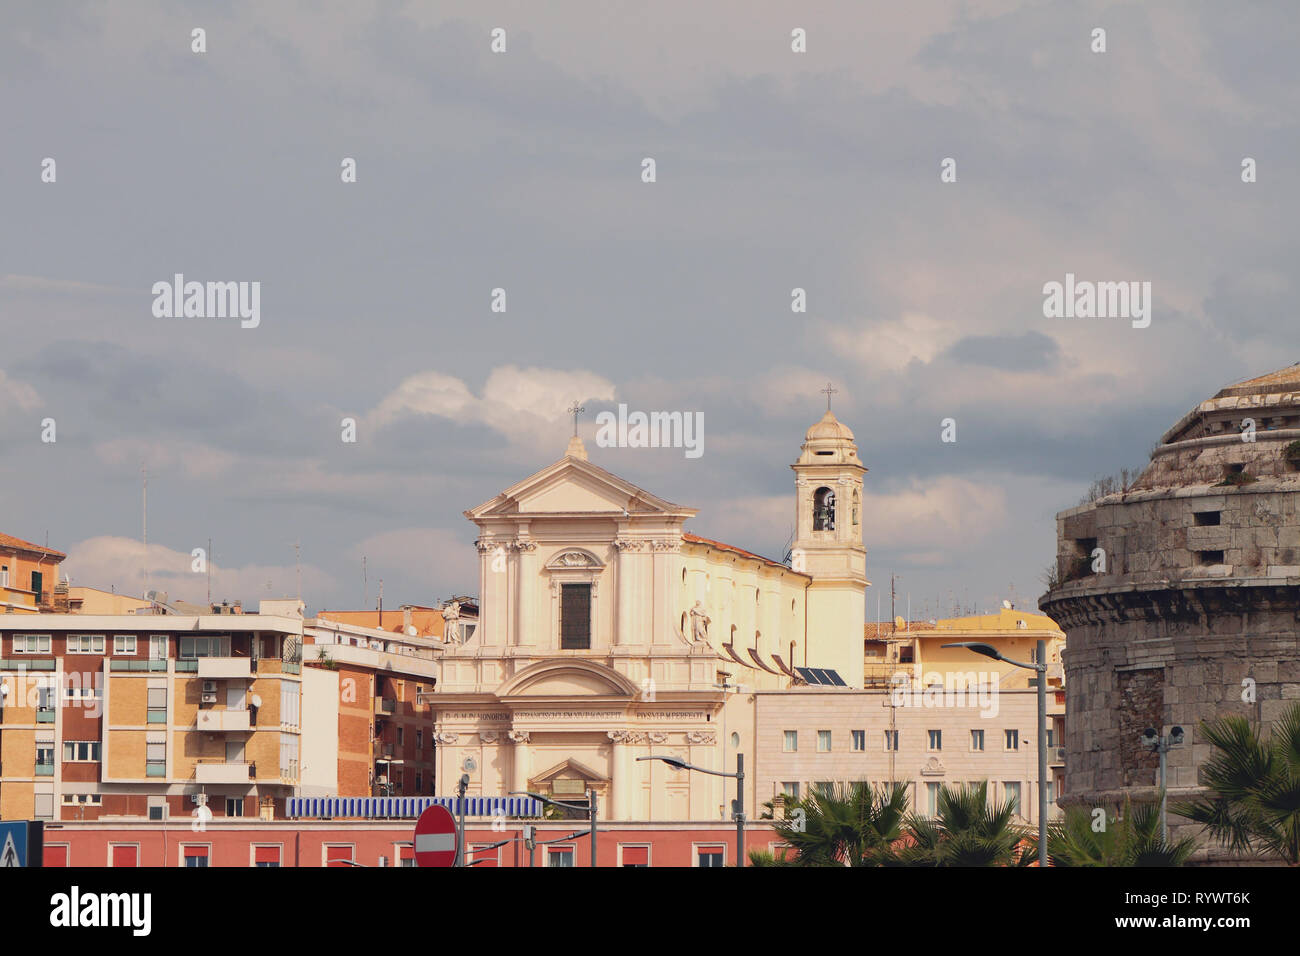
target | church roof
[
  {"x": 1263, "y": 384},
  {"x": 699, "y": 539},
  {"x": 829, "y": 427}
]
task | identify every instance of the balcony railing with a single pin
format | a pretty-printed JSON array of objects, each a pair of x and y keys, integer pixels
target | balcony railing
[
  {"x": 230, "y": 719},
  {"x": 223, "y": 771},
  {"x": 385, "y": 706},
  {"x": 225, "y": 668},
  {"x": 126, "y": 664}
]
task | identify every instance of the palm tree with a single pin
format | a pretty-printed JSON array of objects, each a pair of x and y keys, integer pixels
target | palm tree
[
  {"x": 1253, "y": 803},
  {"x": 969, "y": 830},
  {"x": 1132, "y": 839},
  {"x": 844, "y": 825}
]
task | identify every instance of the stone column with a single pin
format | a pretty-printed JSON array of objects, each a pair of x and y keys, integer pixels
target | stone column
[
  {"x": 618, "y": 775},
  {"x": 527, "y": 625},
  {"x": 625, "y": 631},
  {"x": 667, "y": 575},
  {"x": 519, "y": 761}
]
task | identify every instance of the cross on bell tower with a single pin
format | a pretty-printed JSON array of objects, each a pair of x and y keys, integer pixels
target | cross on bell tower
[{"x": 829, "y": 390}]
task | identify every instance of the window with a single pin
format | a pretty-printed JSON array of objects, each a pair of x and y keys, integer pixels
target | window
[
  {"x": 124, "y": 855},
  {"x": 1051, "y": 737},
  {"x": 1013, "y": 740},
  {"x": 81, "y": 751},
  {"x": 266, "y": 856},
  {"x": 891, "y": 740},
  {"x": 401, "y": 737},
  {"x": 1209, "y": 557},
  {"x": 338, "y": 855},
  {"x": 31, "y": 643},
  {"x": 859, "y": 740},
  {"x": 44, "y": 806},
  {"x": 124, "y": 644},
  {"x": 45, "y": 705},
  {"x": 932, "y": 799},
  {"x": 791, "y": 744},
  {"x": 791, "y": 789},
  {"x": 234, "y": 806},
  {"x": 575, "y": 616},
  {"x": 289, "y": 756},
  {"x": 977, "y": 740},
  {"x": 1205, "y": 518},
  {"x": 157, "y": 647},
  {"x": 1011, "y": 790},
  {"x": 823, "y": 741},
  {"x": 825, "y": 787},
  {"x": 192, "y": 647},
  {"x": 155, "y": 760},
  {"x": 4, "y": 575},
  {"x": 559, "y": 856},
  {"x": 419, "y": 740},
  {"x": 406, "y": 855},
  {"x": 419, "y": 781},
  {"x": 711, "y": 856},
  {"x": 935, "y": 739},
  {"x": 85, "y": 643},
  {"x": 157, "y": 700},
  {"x": 45, "y": 760},
  {"x": 196, "y": 856},
  {"x": 1051, "y": 793},
  {"x": 290, "y": 714},
  {"x": 157, "y": 811},
  {"x": 637, "y": 856}
]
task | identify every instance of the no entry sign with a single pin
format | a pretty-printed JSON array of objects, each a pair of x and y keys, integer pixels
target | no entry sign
[{"x": 435, "y": 837}]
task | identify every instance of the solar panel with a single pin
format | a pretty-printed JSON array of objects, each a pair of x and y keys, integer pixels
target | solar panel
[
  {"x": 835, "y": 678},
  {"x": 808, "y": 674},
  {"x": 821, "y": 675}
]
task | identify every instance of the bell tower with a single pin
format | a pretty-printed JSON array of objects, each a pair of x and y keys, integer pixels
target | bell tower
[{"x": 828, "y": 546}]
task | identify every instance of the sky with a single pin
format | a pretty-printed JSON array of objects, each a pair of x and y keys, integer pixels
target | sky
[{"x": 522, "y": 170}]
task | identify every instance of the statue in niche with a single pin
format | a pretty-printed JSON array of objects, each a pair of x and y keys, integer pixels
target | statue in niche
[{"x": 699, "y": 624}]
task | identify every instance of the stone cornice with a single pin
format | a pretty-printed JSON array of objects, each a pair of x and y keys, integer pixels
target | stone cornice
[{"x": 1077, "y": 605}]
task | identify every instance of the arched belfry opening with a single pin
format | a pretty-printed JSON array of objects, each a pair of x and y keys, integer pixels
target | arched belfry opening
[{"x": 824, "y": 509}]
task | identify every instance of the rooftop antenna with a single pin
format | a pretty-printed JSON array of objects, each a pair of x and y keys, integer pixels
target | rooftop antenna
[
  {"x": 297, "y": 550},
  {"x": 209, "y": 574},
  {"x": 144, "y": 523},
  {"x": 365, "y": 584}
]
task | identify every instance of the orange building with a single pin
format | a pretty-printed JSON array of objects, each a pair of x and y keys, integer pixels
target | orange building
[{"x": 28, "y": 573}]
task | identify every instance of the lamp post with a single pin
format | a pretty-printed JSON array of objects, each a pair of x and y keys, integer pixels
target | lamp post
[
  {"x": 739, "y": 776},
  {"x": 1161, "y": 745},
  {"x": 1040, "y": 669},
  {"x": 590, "y": 808}
]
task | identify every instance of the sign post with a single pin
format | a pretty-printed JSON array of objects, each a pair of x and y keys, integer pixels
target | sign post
[{"x": 436, "y": 837}]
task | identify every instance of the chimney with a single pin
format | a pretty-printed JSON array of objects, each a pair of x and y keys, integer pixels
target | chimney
[{"x": 406, "y": 618}]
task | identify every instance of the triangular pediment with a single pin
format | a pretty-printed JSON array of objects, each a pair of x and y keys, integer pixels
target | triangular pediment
[
  {"x": 574, "y": 486},
  {"x": 570, "y": 770}
]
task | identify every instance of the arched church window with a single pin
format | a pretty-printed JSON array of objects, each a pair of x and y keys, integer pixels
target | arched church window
[
  {"x": 857, "y": 506},
  {"x": 824, "y": 510},
  {"x": 683, "y": 622}
]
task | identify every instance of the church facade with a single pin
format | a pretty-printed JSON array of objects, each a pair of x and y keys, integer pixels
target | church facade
[{"x": 607, "y": 632}]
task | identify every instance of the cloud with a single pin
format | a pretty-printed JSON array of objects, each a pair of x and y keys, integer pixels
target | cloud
[
  {"x": 14, "y": 393},
  {"x": 524, "y": 405},
  {"x": 893, "y": 344},
  {"x": 117, "y": 563},
  {"x": 1029, "y": 351}
]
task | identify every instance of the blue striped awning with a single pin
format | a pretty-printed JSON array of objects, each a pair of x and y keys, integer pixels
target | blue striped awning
[{"x": 411, "y": 806}]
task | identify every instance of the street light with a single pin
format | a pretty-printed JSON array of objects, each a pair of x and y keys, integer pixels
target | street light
[
  {"x": 739, "y": 776},
  {"x": 1161, "y": 745},
  {"x": 590, "y": 808},
  {"x": 1040, "y": 668}
]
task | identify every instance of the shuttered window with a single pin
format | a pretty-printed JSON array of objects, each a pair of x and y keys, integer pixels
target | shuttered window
[
  {"x": 126, "y": 855},
  {"x": 575, "y": 616}
]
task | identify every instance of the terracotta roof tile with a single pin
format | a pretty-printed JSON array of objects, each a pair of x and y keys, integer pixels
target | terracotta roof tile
[{"x": 18, "y": 544}]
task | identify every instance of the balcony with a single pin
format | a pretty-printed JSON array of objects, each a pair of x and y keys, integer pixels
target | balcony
[
  {"x": 224, "y": 668},
  {"x": 219, "y": 721},
  {"x": 385, "y": 706},
  {"x": 1056, "y": 756},
  {"x": 223, "y": 771}
]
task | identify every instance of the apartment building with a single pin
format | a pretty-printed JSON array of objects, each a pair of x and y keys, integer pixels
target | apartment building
[
  {"x": 931, "y": 715},
  {"x": 148, "y": 715},
  {"x": 28, "y": 573},
  {"x": 381, "y": 682}
]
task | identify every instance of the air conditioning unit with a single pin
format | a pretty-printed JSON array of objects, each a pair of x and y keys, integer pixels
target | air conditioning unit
[
  {"x": 382, "y": 780},
  {"x": 209, "y": 687},
  {"x": 210, "y": 698}
]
